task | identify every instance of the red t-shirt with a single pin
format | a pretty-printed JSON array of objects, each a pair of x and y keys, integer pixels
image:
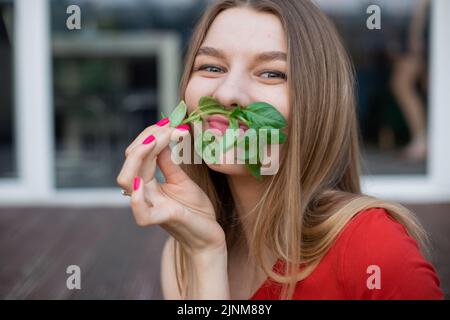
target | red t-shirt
[{"x": 372, "y": 258}]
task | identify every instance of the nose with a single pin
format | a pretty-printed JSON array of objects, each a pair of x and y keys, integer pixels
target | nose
[{"x": 232, "y": 92}]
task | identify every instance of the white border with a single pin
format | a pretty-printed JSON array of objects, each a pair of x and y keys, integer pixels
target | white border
[{"x": 33, "y": 126}]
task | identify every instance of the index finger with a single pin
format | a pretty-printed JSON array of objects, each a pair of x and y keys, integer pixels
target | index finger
[{"x": 145, "y": 133}]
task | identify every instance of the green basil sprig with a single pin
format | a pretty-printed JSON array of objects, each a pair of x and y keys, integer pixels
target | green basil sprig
[{"x": 258, "y": 115}]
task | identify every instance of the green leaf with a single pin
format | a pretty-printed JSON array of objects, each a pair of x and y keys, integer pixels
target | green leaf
[
  {"x": 208, "y": 103},
  {"x": 236, "y": 112},
  {"x": 255, "y": 170},
  {"x": 163, "y": 115},
  {"x": 262, "y": 114},
  {"x": 234, "y": 124},
  {"x": 281, "y": 135},
  {"x": 203, "y": 146},
  {"x": 229, "y": 139},
  {"x": 192, "y": 118},
  {"x": 178, "y": 114},
  {"x": 250, "y": 152},
  {"x": 209, "y": 147},
  {"x": 259, "y": 115}
]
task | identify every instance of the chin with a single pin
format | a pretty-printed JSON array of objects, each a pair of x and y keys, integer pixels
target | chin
[{"x": 230, "y": 169}]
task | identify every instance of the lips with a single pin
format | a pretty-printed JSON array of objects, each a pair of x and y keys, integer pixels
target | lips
[{"x": 221, "y": 123}]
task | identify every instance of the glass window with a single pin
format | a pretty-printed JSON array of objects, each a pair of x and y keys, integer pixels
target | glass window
[
  {"x": 8, "y": 167},
  {"x": 392, "y": 73},
  {"x": 100, "y": 105},
  {"x": 102, "y": 101}
]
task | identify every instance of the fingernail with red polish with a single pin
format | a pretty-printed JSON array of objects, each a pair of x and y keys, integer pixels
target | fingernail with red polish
[
  {"x": 162, "y": 122},
  {"x": 136, "y": 183},
  {"x": 149, "y": 139},
  {"x": 184, "y": 127}
]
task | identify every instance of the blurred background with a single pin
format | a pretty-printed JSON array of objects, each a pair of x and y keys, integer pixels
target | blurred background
[{"x": 72, "y": 100}]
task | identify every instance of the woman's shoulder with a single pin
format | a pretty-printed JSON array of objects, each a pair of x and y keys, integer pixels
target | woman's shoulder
[
  {"x": 378, "y": 259},
  {"x": 374, "y": 224}
]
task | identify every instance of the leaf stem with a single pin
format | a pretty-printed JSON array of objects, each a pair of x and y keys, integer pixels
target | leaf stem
[{"x": 194, "y": 114}]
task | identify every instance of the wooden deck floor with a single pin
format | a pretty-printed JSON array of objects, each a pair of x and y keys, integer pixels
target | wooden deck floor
[{"x": 118, "y": 260}]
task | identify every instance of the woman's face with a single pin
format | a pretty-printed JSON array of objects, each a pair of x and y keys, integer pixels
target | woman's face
[{"x": 242, "y": 60}]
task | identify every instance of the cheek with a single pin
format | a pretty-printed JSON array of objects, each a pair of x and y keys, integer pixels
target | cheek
[
  {"x": 284, "y": 104},
  {"x": 284, "y": 110},
  {"x": 195, "y": 89},
  {"x": 190, "y": 95},
  {"x": 280, "y": 101}
]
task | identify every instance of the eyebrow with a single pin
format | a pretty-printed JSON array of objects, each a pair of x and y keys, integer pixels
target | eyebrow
[{"x": 262, "y": 57}]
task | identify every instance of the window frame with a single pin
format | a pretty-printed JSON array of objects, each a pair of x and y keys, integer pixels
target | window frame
[{"x": 33, "y": 94}]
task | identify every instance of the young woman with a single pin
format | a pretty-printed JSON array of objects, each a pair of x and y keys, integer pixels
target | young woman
[{"x": 306, "y": 232}]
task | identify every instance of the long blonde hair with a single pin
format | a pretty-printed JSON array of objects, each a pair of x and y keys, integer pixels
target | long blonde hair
[{"x": 320, "y": 170}]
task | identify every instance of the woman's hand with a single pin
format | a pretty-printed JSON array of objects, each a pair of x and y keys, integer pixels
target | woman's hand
[{"x": 178, "y": 205}]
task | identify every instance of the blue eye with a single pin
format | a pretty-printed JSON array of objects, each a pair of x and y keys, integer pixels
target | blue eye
[
  {"x": 206, "y": 67},
  {"x": 276, "y": 73},
  {"x": 215, "y": 69}
]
